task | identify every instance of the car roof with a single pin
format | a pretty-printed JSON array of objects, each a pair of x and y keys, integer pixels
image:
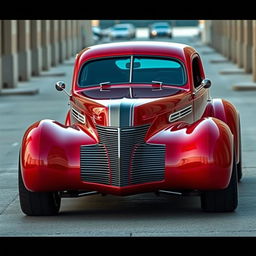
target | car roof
[
  {"x": 157, "y": 48},
  {"x": 123, "y": 25}
]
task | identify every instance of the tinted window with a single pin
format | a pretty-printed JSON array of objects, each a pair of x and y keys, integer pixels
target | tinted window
[
  {"x": 162, "y": 26},
  {"x": 196, "y": 72},
  {"x": 104, "y": 70},
  {"x": 120, "y": 28},
  {"x": 166, "y": 71}
]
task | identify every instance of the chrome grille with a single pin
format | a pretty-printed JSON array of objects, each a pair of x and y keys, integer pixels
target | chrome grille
[
  {"x": 148, "y": 163},
  {"x": 122, "y": 158},
  {"x": 95, "y": 158}
]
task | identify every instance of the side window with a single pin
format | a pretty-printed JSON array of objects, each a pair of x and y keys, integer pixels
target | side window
[{"x": 197, "y": 76}]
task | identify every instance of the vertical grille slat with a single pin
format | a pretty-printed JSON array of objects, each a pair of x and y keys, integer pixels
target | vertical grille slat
[{"x": 138, "y": 163}]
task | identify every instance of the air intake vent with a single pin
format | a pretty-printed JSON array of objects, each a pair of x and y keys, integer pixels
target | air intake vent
[
  {"x": 78, "y": 116},
  {"x": 122, "y": 158},
  {"x": 180, "y": 114}
]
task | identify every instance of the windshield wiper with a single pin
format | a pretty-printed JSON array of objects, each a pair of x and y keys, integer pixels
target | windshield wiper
[
  {"x": 159, "y": 88},
  {"x": 102, "y": 86}
]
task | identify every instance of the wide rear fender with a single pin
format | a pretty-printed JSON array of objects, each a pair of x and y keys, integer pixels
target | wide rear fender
[{"x": 226, "y": 112}]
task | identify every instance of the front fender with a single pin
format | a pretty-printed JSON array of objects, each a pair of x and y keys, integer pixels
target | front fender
[
  {"x": 50, "y": 149},
  {"x": 198, "y": 156}
]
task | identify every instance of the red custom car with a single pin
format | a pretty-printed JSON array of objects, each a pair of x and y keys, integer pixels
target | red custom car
[{"x": 141, "y": 119}]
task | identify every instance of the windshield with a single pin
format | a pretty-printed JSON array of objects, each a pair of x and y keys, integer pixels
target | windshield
[
  {"x": 132, "y": 69},
  {"x": 120, "y": 28},
  {"x": 161, "y": 26}
]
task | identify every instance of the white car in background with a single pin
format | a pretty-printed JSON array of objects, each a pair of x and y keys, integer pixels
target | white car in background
[{"x": 122, "y": 31}]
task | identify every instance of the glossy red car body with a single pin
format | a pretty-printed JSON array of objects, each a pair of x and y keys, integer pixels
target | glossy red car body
[{"x": 196, "y": 148}]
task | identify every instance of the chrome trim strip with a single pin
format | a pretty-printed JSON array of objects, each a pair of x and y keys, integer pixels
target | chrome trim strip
[
  {"x": 180, "y": 114},
  {"x": 114, "y": 113},
  {"x": 130, "y": 77},
  {"x": 131, "y": 69},
  {"x": 121, "y": 112},
  {"x": 197, "y": 89},
  {"x": 78, "y": 116},
  {"x": 119, "y": 154}
]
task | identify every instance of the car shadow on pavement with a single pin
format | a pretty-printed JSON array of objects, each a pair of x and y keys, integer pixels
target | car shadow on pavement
[{"x": 137, "y": 206}]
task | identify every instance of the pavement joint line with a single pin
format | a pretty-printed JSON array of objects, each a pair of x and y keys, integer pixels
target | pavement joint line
[
  {"x": 53, "y": 74},
  {"x": 5, "y": 208},
  {"x": 218, "y": 61},
  {"x": 68, "y": 64},
  {"x": 8, "y": 170},
  {"x": 19, "y": 91},
  {"x": 235, "y": 71},
  {"x": 208, "y": 52},
  {"x": 243, "y": 86}
]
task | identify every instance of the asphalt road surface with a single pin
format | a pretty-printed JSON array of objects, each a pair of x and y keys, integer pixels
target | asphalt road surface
[{"x": 136, "y": 215}]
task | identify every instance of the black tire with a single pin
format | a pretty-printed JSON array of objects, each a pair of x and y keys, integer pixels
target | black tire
[
  {"x": 239, "y": 165},
  {"x": 239, "y": 171},
  {"x": 38, "y": 203},
  {"x": 225, "y": 200}
]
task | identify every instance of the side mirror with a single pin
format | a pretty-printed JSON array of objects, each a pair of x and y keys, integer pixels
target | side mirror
[
  {"x": 206, "y": 83},
  {"x": 60, "y": 86}
]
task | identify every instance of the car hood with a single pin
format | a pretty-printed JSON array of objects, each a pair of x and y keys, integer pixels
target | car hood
[{"x": 125, "y": 112}]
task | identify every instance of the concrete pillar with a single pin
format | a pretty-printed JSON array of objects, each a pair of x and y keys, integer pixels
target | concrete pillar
[
  {"x": 79, "y": 35},
  {"x": 24, "y": 52},
  {"x": 62, "y": 41},
  {"x": 54, "y": 42},
  {"x": 228, "y": 50},
  {"x": 213, "y": 34},
  {"x": 220, "y": 31},
  {"x": 87, "y": 35},
  {"x": 74, "y": 36},
  {"x": 228, "y": 38},
  {"x": 233, "y": 40},
  {"x": 229, "y": 27},
  {"x": 225, "y": 37},
  {"x": 206, "y": 33},
  {"x": 83, "y": 33},
  {"x": 254, "y": 50},
  {"x": 46, "y": 45},
  {"x": 36, "y": 47},
  {"x": 68, "y": 39},
  {"x": 218, "y": 35},
  {"x": 1, "y": 36},
  {"x": 247, "y": 46},
  {"x": 9, "y": 51},
  {"x": 239, "y": 43}
]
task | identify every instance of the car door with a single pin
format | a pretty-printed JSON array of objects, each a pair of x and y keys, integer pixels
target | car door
[{"x": 200, "y": 94}]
